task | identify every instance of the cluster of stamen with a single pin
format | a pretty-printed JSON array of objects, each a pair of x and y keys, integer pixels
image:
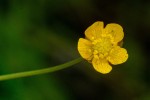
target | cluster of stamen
[{"x": 102, "y": 46}]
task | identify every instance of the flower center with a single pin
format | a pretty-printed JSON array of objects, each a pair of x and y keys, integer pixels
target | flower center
[{"x": 102, "y": 46}]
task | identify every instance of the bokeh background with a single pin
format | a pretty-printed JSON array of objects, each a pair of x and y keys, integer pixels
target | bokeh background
[{"x": 36, "y": 34}]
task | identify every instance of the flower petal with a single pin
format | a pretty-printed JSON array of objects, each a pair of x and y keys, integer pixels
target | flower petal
[
  {"x": 115, "y": 30},
  {"x": 117, "y": 55},
  {"x": 84, "y": 48},
  {"x": 101, "y": 65},
  {"x": 94, "y": 31}
]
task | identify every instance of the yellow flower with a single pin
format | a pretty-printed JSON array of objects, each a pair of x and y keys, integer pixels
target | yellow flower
[{"x": 101, "y": 46}]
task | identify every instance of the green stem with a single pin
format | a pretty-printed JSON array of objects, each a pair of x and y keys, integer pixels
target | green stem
[{"x": 40, "y": 71}]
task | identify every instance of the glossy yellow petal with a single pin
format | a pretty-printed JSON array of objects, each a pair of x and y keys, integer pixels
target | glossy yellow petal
[
  {"x": 85, "y": 48},
  {"x": 101, "y": 65},
  {"x": 117, "y": 55},
  {"x": 94, "y": 31},
  {"x": 115, "y": 30}
]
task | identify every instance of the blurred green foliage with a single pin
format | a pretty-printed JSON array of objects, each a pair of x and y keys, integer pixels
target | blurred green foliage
[{"x": 35, "y": 34}]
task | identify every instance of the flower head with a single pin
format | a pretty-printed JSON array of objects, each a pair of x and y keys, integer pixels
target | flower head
[{"x": 101, "y": 46}]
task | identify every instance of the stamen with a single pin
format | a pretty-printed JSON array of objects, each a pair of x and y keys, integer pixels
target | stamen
[
  {"x": 101, "y": 56},
  {"x": 102, "y": 46},
  {"x": 95, "y": 52},
  {"x": 96, "y": 57},
  {"x": 93, "y": 38}
]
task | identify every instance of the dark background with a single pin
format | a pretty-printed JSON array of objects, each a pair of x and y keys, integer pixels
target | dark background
[{"x": 36, "y": 34}]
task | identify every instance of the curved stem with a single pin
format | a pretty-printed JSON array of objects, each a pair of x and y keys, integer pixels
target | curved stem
[{"x": 40, "y": 71}]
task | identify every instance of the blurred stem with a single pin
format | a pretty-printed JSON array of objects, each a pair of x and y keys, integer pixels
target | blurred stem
[{"x": 40, "y": 71}]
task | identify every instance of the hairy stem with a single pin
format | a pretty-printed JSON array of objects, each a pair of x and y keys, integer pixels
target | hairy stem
[{"x": 40, "y": 71}]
